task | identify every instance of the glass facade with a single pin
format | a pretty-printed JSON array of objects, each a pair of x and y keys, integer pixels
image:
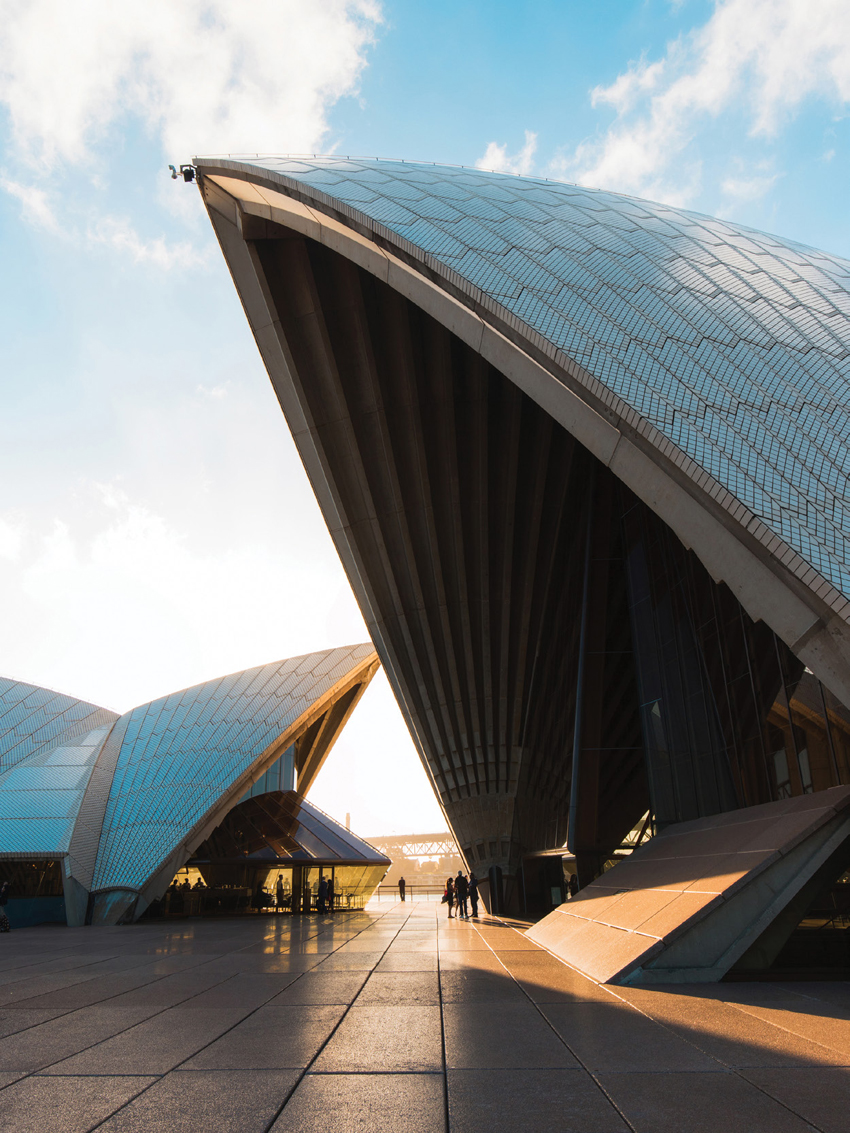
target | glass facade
[
  {"x": 730, "y": 716},
  {"x": 270, "y": 854},
  {"x": 36, "y": 891},
  {"x": 279, "y": 777},
  {"x": 32, "y": 878}
]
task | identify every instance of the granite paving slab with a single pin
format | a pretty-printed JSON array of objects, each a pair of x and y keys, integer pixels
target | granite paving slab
[
  {"x": 322, "y": 987},
  {"x": 385, "y": 1038},
  {"x": 542, "y": 1100},
  {"x": 154, "y": 1046},
  {"x": 501, "y": 1034},
  {"x": 355, "y": 1103},
  {"x": 188, "y": 1101},
  {"x": 818, "y": 1094},
  {"x": 64, "y": 1105},
  {"x": 273, "y": 1038},
  {"x": 698, "y": 1103},
  {"x": 66, "y": 1035}
]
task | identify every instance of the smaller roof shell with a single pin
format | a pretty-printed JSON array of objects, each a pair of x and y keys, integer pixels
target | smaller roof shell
[
  {"x": 125, "y": 799},
  {"x": 186, "y": 755}
]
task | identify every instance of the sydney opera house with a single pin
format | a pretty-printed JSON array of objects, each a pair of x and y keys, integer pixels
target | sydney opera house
[
  {"x": 100, "y": 812},
  {"x": 585, "y": 461}
]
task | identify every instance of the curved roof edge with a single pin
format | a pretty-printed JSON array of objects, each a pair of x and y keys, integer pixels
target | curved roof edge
[{"x": 770, "y": 579}]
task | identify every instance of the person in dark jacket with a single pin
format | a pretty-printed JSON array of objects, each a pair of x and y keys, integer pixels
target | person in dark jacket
[
  {"x": 473, "y": 894},
  {"x": 4, "y": 897},
  {"x": 323, "y": 895},
  {"x": 402, "y": 888},
  {"x": 449, "y": 895},
  {"x": 462, "y": 892},
  {"x": 330, "y": 894}
]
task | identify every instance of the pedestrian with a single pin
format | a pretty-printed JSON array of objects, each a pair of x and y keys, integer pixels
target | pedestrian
[
  {"x": 323, "y": 896},
  {"x": 278, "y": 891},
  {"x": 473, "y": 894},
  {"x": 4, "y": 897},
  {"x": 402, "y": 886},
  {"x": 462, "y": 893},
  {"x": 573, "y": 884},
  {"x": 449, "y": 895},
  {"x": 330, "y": 894}
]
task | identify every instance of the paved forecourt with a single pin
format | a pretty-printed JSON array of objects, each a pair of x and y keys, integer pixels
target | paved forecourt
[{"x": 394, "y": 1019}]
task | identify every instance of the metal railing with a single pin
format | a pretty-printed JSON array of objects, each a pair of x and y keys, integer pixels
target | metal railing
[{"x": 414, "y": 891}]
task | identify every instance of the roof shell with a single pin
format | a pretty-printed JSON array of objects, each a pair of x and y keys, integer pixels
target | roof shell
[
  {"x": 183, "y": 754},
  {"x": 733, "y": 344}
]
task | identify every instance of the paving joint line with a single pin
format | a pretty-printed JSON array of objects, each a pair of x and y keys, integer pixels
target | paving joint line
[
  {"x": 727, "y": 1067},
  {"x": 100, "y": 1003},
  {"x": 555, "y": 1030},
  {"x": 337, "y": 1025},
  {"x": 73, "y": 983},
  {"x": 158, "y": 1077},
  {"x": 39, "y": 1071},
  {"x": 443, "y": 1031}
]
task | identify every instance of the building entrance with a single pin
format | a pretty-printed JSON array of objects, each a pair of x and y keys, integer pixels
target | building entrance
[{"x": 275, "y": 854}]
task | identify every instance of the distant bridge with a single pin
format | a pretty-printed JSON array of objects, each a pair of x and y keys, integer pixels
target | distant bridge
[{"x": 417, "y": 846}]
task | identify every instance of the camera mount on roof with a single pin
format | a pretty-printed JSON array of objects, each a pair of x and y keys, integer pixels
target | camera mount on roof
[{"x": 186, "y": 171}]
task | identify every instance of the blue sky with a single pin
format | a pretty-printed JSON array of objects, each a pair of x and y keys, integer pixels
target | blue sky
[{"x": 156, "y": 527}]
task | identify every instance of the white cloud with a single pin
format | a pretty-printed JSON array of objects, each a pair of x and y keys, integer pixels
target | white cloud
[
  {"x": 118, "y": 233},
  {"x": 36, "y": 206},
  {"x": 199, "y": 76},
  {"x": 116, "y": 580},
  {"x": 746, "y": 181},
  {"x": 496, "y": 157},
  {"x": 111, "y": 496},
  {"x": 640, "y": 80},
  {"x": 203, "y": 75},
  {"x": 748, "y": 188},
  {"x": 760, "y": 57},
  {"x": 216, "y": 392}
]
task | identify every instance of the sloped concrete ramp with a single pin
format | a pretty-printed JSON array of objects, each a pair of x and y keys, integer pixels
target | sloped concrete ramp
[{"x": 703, "y": 896}]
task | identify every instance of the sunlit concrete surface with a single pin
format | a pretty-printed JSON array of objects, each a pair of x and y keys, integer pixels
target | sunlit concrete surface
[{"x": 394, "y": 1019}]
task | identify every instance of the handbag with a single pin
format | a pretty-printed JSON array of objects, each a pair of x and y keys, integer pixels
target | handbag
[{"x": 445, "y": 898}]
